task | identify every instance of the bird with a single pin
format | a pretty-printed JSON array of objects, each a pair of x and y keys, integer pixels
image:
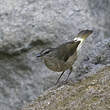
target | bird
[{"x": 61, "y": 58}]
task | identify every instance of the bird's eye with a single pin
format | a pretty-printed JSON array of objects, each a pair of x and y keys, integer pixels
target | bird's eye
[{"x": 46, "y": 51}]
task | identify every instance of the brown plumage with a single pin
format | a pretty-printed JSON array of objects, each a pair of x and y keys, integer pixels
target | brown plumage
[{"x": 63, "y": 57}]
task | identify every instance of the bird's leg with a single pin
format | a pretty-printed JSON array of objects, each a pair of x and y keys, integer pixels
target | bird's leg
[
  {"x": 60, "y": 77},
  {"x": 69, "y": 74}
]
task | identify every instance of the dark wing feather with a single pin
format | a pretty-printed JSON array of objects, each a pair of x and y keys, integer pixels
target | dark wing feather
[{"x": 66, "y": 50}]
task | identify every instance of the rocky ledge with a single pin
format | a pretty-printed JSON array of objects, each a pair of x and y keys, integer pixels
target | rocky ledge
[{"x": 91, "y": 93}]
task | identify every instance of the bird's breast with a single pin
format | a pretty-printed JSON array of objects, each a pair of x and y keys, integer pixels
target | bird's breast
[{"x": 55, "y": 64}]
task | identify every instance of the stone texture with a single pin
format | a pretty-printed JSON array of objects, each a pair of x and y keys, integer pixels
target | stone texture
[
  {"x": 91, "y": 93},
  {"x": 28, "y": 26}
]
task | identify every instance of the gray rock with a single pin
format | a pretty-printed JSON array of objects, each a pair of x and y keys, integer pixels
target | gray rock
[
  {"x": 28, "y": 26},
  {"x": 91, "y": 93}
]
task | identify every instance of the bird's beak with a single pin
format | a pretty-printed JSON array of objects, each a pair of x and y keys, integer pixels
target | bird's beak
[{"x": 39, "y": 55}]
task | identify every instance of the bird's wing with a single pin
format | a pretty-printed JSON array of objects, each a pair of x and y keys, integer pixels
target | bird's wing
[{"x": 66, "y": 50}]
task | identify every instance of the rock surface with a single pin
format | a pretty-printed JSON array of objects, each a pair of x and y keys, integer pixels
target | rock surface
[
  {"x": 91, "y": 93},
  {"x": 28, "y": 26}
]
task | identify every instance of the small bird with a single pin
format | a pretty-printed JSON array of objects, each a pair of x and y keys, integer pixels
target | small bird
[{"x": 62, "y": 58}]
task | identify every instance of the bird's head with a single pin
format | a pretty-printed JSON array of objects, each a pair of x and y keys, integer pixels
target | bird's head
[
  {"x": 44, "y": 52},
  {"x": 83, "y": 35}
]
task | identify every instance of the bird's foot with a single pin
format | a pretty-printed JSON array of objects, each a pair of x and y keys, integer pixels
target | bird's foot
[{"x": 58, "y": 84}]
